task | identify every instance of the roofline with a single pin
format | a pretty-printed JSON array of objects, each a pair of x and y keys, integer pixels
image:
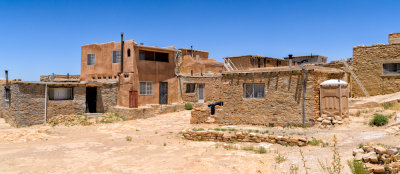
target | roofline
[
  {"x": 250, "y": 55},
  {"x": 159, "y": 48}
]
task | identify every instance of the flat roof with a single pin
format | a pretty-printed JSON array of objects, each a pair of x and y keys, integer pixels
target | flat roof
[
  {"x": 287, "y": 69},
  {"x": 250, "y": 55}
]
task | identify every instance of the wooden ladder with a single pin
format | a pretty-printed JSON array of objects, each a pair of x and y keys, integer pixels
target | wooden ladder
[{"x": 355, "y": 78}]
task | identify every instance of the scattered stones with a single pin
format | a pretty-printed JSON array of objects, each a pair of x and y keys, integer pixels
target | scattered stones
[
  {"x": 326, "y": 121},
  {"x": 378, "y": 159},
  {"x": 242, "y": 136}
]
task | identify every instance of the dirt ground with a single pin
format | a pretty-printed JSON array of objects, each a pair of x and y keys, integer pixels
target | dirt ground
[{"x": 155, "y": 145}]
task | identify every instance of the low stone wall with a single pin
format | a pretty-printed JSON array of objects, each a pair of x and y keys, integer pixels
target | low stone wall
[
  {"x": 378, "y": 159},
  {"x": 199, "y": 115},
  {"x": 242, "y": 136},
  {"x": 147, "y": 111}
]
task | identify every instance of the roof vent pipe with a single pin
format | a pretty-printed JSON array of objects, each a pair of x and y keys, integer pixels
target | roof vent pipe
[
  {"x": 6, "y": 73},
  {"x": 290, "y": 60},
  {"x": 52, "y": 77},
  {"x": 122, "y": 52}
]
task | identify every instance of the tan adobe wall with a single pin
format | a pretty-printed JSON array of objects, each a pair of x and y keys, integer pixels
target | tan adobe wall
[
  {"x": 248, "y": 62},
  {"x": 282, "y": 104},
  {"x": 60, "y": 78},
  {"x": 156, "y": 72},
  {"x": 394, "y": 38},
  {"x": 203, "y": 54},
  {"x": 212, "y": 88},
  {"x": 190, "y": 64},
  {"x": 368, "y": 66},
  {"x": 103, "y": 66}
]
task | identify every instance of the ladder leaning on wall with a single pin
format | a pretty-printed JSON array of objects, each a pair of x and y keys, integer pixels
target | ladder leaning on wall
[{"x": 355, "y": 77}]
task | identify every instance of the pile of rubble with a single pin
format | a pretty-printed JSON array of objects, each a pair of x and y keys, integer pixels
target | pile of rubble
[
  {"x": 242, "y": 136},
  {"x": 378, "y": 159},
  {"x": 68, "y": 120},
  {"x": 328, "y": 121}
]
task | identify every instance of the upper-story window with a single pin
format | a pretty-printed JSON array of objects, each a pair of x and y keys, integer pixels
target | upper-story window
[
  {"x": 391, "y": 68},
  {"x": 116, "y": 56},
  {"x": 129, "y": 52},
  {"x": 91, "y": 59},
  {"x": 153, "y": 56},
  {"x": 7, "y": 94}
]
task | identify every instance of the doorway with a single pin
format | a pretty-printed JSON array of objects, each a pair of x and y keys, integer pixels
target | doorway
[
  {"x": 201, "y": 93},
  {"x": 91, "y": 99},
  {"x": 163, "y": 93}
]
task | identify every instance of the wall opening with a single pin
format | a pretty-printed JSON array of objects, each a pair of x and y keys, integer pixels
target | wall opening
[
  {"x": 91, "y": 59},
  {"x": 60, "y": 94},
  {"x": 190, "y": 87},
  {"x": 253, "y": 90},
  {"x": 116, "y": 56},
  {"x": 129, "y": 53},
  {"x": 153, "y": 56},
  {"x": 91, "y": 99},
  {"x": 391, "y": 68}
]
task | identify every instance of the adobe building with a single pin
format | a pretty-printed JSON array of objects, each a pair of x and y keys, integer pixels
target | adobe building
[
  {"x": 247, "y": 62},
  {"x": 146, "y": 74},
  {"x": 273, "y": 96},
  {"x": 377, "y": 67},
  {"x": 309, "y": 59}
]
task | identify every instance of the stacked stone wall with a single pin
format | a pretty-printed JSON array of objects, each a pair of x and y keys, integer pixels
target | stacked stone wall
[
  {"x": 282, "y": 102},
  {"x": 212, "y": 88},
  {"x": 368, "y": 66},
  {"x": 242, "y": 136},
  {"x": 199, "y": 115}
]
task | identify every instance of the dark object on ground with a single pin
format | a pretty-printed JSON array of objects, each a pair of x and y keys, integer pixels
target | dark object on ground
[{"x": 212, "y": 106}]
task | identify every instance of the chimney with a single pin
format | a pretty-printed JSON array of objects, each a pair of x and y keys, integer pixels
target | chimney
[
  {"x": 290, "y": 60},
  {"x": 52, "y": 77},
  {"x": 6, "y": 72},
  {"x": 122, "y": 52},
  {"x": 191, "y": 49}
]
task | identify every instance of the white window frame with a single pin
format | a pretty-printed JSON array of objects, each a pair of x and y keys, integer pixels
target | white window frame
[
  {"x": 61, "y": 94},
  {"x": 256, "y": 90},
  {"x": 116, "y": 56},
  {"x": 147, "y": 89},
  {"x": 89, "y": 61}
]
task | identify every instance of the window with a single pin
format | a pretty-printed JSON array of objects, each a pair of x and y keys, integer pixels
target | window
[
  {"x": 7, "y": 94},
  {"x": 265, "y": 62},
  {"x": 109, "y": 77},
  {"x": 197, "y": 57},
  {"x": 98, "y": 77},
  {"x": 60, "y": 94},
  {"x": 126, "y": 75},
  {"x": 254, "y": 90},
  {"x": 91, "y": 59},
  {"x": 146, "y": 88},
  {"x": 391, "y": 68},
  {"x": 129, "y": 52},
  {"x": 190, "y": 87},
  {"x": 259, "y": 63},
  {"x": 116, "y": 56},
  {"x": 153, "y": 56}
]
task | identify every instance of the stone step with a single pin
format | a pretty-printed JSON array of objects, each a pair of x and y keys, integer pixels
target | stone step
[{"x": 90, "y": 115}]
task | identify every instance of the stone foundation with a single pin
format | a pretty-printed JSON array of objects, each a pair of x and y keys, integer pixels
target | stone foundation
[
  {"x": 378, "y": 159},
  {"x": 242, "y": 136},
  {"x": 199, "y": 115}
]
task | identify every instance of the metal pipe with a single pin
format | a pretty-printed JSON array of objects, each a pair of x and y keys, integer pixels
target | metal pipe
[
  {"x": 122, "y": 52},
  {"x": 6, "y": 73},
  {"x": 290, "y": 60},
  {"x": 304, "y": 99},
  {"x": 45, "y": 104}
]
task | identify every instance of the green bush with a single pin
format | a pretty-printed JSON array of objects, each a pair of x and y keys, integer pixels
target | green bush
[
  {"x": 387, "y": 105},
  {"x": 379, "y": 120},
  {"x": 188, "y": 106},
  {"x": 357, "y": 167}
]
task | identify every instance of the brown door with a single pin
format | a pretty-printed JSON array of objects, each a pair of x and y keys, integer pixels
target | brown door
[{"x": 133, "y": 99}]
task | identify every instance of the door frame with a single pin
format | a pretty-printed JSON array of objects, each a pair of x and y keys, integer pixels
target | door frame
[
  {"x": 198, "y": 92},
  {"x": 91, "y": 102}
]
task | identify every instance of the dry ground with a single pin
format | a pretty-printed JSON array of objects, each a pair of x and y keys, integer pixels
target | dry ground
[{"x": 157, "y": 147}]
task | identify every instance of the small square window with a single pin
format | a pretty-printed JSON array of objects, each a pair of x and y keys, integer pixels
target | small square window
[
  {"x": 93, "y": 77},
  {"x": 146, "y": 88},
  {"x": 91, "y": 59},
  {"x": 109, "y": 77},
  {"x": 391, "y": 68},
  {"x": 254, "y": 90},
  {"x": 190, "y": 87},
  {"x": 116, "y": 56},
  {"x": 115, "y": 77},
  {"x": 60, "y": 94},
  {"x": 104, "y": 77},
  {"x": 98, "y": 77},
  {"x": 126, "y": 75}
]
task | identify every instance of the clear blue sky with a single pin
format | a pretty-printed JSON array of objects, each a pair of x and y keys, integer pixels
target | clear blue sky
[{"x": 42, "y": 37}]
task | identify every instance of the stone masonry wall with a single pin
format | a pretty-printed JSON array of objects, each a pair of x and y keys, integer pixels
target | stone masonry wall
[
  {"x": 282, "y": 103},
  {"x": 107, "y": 96},
  {"x": 368, "y": 66},
  {"x": 199, "y": 115},
  {"x": 212, "y": 88},
  {"x": 67, "y": 107}
]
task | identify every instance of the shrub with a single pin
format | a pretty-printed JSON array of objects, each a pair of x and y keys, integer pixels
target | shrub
[
  {"x": 379, "y": 120},
  {"x": 262, "y": 150},
  {"x": 248, "y": 148},
  {"x": 110, "y": 118},
  {"x": 387, "y": 105},
  {"x": 357, "y": 167},
  {"x": 280, "y": 158},
  {"x": 188, "y": 106},
  {"x": 128, "y": 138}
]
